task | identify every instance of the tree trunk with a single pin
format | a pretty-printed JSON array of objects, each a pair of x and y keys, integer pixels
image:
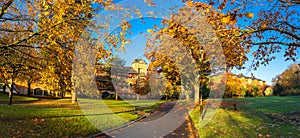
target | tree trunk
[
  {"x": 197, "y": 94},
  {"x": 197, "y": 88},
  {"x": 137, "y": 97},
  {"x": 74, "y": 97},
  {"x": 4, "y": 88},
  {"x": 74, "y": 93},
  {"x": 28, "y": 88},
  {"x": 11, "y": 93},
  {"x": 187, "y": 95},
  {"x": 62, "y": 85},
  {"x": 201, "y": 104},
  {"x": 200, "y": 101},
  {"x": 116, "y": 96}
]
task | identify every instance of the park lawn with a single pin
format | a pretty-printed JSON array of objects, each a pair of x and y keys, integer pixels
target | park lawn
[
  {"x": 256, "y": 117},
  {"x": 60, "y": 118},
  {"x": 16, "y": 98},
  {"x": 108, "y": 114}
]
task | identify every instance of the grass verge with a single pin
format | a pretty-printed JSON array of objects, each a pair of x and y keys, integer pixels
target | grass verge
[{"x": 256, "y": 117}]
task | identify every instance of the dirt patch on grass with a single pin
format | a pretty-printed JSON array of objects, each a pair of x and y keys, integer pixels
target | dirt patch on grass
[{"x": 285, "y": 118}]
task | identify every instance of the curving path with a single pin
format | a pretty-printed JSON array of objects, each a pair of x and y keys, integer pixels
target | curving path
[{"x": 170, "y": 121}]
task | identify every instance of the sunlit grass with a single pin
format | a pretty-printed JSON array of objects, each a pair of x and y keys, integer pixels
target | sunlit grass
[
  {"x": 60, "y": 118},
  {"x": 106, "y": 114},
  {"x": 255, "y": 117}
]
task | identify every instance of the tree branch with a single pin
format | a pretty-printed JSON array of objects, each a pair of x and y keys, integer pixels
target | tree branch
[
  {"x": 3, "y": 19},
  {"x": 276, "y": 42},
  {"x": 279, "y": 30},
  {"x": 297, "y": 37},
  {"x": 24, "y": 53},
  {"x": 9, "y": 30},
  {"x": 290, "y": 25},
  {"x": 5, "y": 7},
  {"x": 34, "y": 34}
]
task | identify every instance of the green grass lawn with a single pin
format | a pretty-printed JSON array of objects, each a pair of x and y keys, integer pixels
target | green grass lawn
[
  {"x": 60, "y": 118},
  {"x": 256, "y": 117},
  {"x": 109, "y": 113},
  {"x": 4, "y": 98}
]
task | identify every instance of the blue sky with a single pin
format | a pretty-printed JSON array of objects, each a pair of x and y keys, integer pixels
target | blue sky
[
  {"x": 268, "y": 72},
  {"x": 140, "y": 26}
]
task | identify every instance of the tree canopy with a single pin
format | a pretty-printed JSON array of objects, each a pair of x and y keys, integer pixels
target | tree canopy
[
  {"x": 288, "y": 82},
  {"x": 42, "y": 36}
]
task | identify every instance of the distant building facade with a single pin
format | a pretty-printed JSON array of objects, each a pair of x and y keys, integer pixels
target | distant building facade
[
  {"x": 245, "y": 86},
  {"x": 107, "y": 75}
]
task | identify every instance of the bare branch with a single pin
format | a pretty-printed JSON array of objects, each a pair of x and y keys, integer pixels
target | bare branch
[
  {"x": 276, "y": 42},
  {"x": 5, "y": 7},
  {"x": 9, "y": 30},
  {"x": 17, "y": 19},
  {"x": 297, "y": 37},
  {"x": 290, "y": 25}
]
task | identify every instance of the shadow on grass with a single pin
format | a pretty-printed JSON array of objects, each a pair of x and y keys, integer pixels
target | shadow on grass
[
  {"x": 233, "y": 121},
  {"x": 254, "y": 117},
  {"x": 271, "y": 104},
  {"x": 134, "y": 111},
  {"x": 19, "y": 102},
  {"x": 63, "y": 116}
]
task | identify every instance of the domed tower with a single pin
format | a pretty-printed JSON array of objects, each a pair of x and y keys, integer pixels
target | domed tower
[{"x": 139, "y": 65}]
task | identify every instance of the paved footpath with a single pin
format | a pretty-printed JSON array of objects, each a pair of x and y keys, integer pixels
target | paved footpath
[{"x": 170, "y": 121}]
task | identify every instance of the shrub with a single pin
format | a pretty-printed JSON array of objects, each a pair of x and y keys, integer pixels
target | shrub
[{"x": 268, "y": 91}]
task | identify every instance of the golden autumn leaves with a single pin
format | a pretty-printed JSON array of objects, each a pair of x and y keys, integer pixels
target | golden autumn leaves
[
  {"x": 229, "y": 19},
  {"x": 250, "y": 14},
  {"x": 214, "y": 22}
]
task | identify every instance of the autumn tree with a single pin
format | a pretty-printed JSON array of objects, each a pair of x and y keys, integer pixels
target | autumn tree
[
  {"x": 266, "y": 27},
  {"x": 208, "y": 46},
  {"x": 68, "y": 19},
  {"x": 288, "y": 82},
  {"x": 53, "y": 27},
  {"x": 275, "y": 27},
  {"x": 140, "y": 85},
  {"x": 84, "y": 69},
  {"x": 30, "y": 76},
  {"x": 15, "y": 65},
  {"x": 233, "y": 86},
  {"x": 18, "y": 56},
  {"x": 118, "y": 74},
  {"x": 169, "y": 72}
]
